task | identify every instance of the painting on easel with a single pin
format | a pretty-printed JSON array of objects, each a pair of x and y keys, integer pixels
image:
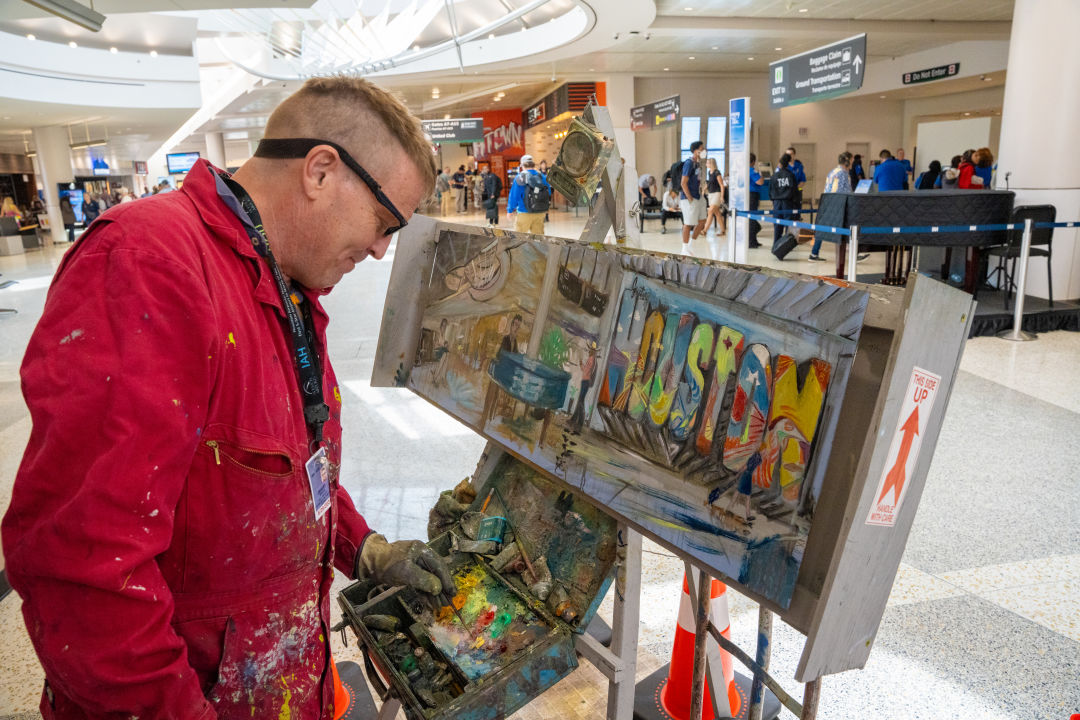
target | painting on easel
[{"x": 695, "y": 399}]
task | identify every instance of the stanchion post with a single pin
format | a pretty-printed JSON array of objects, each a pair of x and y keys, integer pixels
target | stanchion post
[
  {"x": 733, "y": 235},
  {"x": 701, "y": 620},
  {"x": 764, "y": 651},
  {"x": 1017, "y": 333},
  {"x": 852, "y": 252}
]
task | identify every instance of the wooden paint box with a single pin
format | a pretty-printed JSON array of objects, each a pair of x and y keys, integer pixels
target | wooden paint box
[{"x": 521, "y": 622}]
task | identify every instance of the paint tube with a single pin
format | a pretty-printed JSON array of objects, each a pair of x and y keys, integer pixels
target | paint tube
[
  {"x": 541, "y": 589},
  {"x": 386, "y": 623},
  {"x": 510, "y": 553},
  {"x": 480, "y": 547},
  {"x": 425, "y": 697}
]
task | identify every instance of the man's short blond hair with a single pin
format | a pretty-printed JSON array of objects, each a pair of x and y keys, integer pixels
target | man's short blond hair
[{"x": 367, "y": 120}]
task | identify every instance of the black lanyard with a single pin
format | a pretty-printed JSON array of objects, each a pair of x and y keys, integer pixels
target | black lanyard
[{"x": 301, "y": 332}]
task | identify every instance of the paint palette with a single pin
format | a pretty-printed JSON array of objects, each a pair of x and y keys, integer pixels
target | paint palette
[{"x": 500, "y": 645}]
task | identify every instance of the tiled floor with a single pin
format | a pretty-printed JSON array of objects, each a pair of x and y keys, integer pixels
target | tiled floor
[{"x": 983, "y": 617}]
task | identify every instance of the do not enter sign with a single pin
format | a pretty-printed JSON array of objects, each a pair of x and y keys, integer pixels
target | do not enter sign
[{"x": 904, "y": 450}]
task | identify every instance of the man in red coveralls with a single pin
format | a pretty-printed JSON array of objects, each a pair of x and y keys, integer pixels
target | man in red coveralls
[{"x": 177, "y": 515}]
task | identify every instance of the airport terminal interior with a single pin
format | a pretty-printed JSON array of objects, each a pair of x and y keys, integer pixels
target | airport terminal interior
[{"x": 114, "y": 101}]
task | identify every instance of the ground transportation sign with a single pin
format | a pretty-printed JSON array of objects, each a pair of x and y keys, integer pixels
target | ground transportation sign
[{"x": 820, "y": 74}]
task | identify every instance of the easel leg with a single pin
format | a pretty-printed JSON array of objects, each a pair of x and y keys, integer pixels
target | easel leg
[
  {"x": 764, "y": 650},
  {"x": 697, "y": 692},
  {"x": 624, "y": 627},
  {"x": 811, "y": 695}
]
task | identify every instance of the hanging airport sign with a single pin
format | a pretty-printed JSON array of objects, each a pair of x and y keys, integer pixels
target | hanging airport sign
[
  {"x": 820, "y": 74},
  {"x": 934, "y": 73},
  {"x": 655, "y": 114},
  {"x": 455, "y": 130}
]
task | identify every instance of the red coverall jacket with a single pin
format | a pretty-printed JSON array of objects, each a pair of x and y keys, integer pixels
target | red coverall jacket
[{"x": 161, "y": 529}]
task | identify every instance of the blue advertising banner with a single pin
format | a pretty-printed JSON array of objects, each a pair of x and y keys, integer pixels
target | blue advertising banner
[{"x": 739, "y": 176}]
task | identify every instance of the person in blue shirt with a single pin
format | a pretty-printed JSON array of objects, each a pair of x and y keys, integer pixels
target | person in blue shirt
[
  {"x": 983, "y": 159},
  {"x": 756, "y": 184},
  {"x": 890, "y": 174},
  {"x": 690, "y": 201},
  {"x": 799, "y": 172},
  {"x": 526, "y": 221},
  {"x": 903, "y": 161}
]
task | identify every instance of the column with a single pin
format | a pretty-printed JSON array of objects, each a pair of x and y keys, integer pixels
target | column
[
  {"x": 54, "y": 167},
  {"x": 1038, "y": 121},
  {"x": 620, "y": 98},
  {"x": 215, "y": 149}
]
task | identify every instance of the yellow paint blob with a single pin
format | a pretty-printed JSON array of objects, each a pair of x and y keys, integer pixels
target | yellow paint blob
[
  {"x": 286, "y": 712},
  {"x": 231, "y": 340}
]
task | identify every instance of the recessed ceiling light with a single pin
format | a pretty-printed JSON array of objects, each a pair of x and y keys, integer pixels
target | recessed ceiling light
[
  {"x": 967, "y": 113},
  {"x": 415, "y": 47},
  {"x": 804, "y": 10},
  {"x": 113, "y": 50},
  {"x": 491, "y": 36},
  {"x": 501, "y": 94},
  {"x": 691, "y": 57},
  {"x": 715, "y": 47},
  {"x": 592, "y": 69},
  {"x": 153, "y": 53},
  {"x": 778, "y": 49},
  {"x": 446, "y": 116},
  {"x": 881, "y": 96},
  {"x": 666, "y": 69},
  {"x": 688, "y": 9},
  {"x": 30, "y": 36},
  {"x": 749, "y": 58},
  {"x": 987, "y": 78},
  {"x": 73, "y": 44},
  {"x": 497, "y": 98}
]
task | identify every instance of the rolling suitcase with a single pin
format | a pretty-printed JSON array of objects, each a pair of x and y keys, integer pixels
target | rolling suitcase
[{"x": 784, "y": 245}]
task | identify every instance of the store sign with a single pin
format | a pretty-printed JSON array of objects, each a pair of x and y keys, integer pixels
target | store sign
[
  {"x": 455, "y": 130},
  {"x": 536, "y": 114},
  {"x": 655, "y": 114},
  {"x": 504, "y": 134},
  {"x": 139, "y": 167},
  {"x": 820, "y": 74},
  {"x": 934, "y": 73}
]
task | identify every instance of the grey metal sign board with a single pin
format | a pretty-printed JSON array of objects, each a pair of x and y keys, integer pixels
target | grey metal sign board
[
  {"x": 654, "y": 114},
  {"x": 820, "y": 74},
  {"x": 455, "y": 130},
  {"x": 934, "y": 73}
]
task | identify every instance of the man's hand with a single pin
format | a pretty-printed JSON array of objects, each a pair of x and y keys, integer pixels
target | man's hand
[{"x": 405, "y": 562}]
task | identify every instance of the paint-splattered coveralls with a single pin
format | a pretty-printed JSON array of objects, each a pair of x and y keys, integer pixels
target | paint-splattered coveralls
[{"x": 161, "y": 530}]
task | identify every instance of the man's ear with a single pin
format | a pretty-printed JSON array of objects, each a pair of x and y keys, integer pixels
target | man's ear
[{"x": 316, "y": 169}]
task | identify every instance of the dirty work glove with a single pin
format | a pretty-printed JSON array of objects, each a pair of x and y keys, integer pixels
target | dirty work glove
[
  {"x": 405, "y": 562},
  {"x": 449, "y": 508}
]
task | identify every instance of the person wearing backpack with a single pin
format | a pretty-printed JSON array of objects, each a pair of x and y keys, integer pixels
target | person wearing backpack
[
  {"x": 530, "y": 198},
  {"x": 690, "y": 201}
]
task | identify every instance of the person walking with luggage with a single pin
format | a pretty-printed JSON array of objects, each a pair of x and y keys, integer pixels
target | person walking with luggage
[
  {"x": 530, "y": 198},
  {"x": 782, "y": 188},
  {"x": 690, "y": 201},
  {"x": 492, "y": 192}
]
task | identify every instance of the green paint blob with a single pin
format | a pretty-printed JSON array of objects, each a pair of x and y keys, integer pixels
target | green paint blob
[{"x": 499, "y": 624}]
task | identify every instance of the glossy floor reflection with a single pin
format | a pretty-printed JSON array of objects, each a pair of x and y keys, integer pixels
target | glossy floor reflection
[{"x": 982, "y": 620}]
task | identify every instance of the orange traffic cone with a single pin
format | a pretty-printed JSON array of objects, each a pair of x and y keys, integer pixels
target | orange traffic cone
[
  {"x": 341, "y": 695},
  {"x": 675, "y": 696}
]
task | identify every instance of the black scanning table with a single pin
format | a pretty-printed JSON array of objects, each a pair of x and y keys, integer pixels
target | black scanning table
[{"x": 919, "y": 208}]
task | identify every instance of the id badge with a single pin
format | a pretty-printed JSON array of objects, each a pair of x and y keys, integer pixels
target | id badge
[{"x": 318, "y": 472}]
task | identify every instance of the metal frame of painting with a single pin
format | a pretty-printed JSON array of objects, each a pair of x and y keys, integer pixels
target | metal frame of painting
[{"x": 742, "y": 417}]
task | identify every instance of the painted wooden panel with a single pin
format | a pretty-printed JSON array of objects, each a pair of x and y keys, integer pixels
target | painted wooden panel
[{"x": 694, "y": 399}]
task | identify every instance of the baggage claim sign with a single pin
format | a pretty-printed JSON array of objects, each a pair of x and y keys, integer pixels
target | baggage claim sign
[{"x": 819, "y": 74}]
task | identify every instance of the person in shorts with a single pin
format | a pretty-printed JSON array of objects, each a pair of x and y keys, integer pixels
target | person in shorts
[{"x": 690, "y": 201}]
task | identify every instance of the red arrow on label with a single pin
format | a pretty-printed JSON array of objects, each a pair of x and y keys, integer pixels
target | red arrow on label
[{"x": 895, "y": 478}]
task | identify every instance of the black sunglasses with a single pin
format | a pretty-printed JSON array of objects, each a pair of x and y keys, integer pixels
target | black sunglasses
[{"x": 293, "y": 148}]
